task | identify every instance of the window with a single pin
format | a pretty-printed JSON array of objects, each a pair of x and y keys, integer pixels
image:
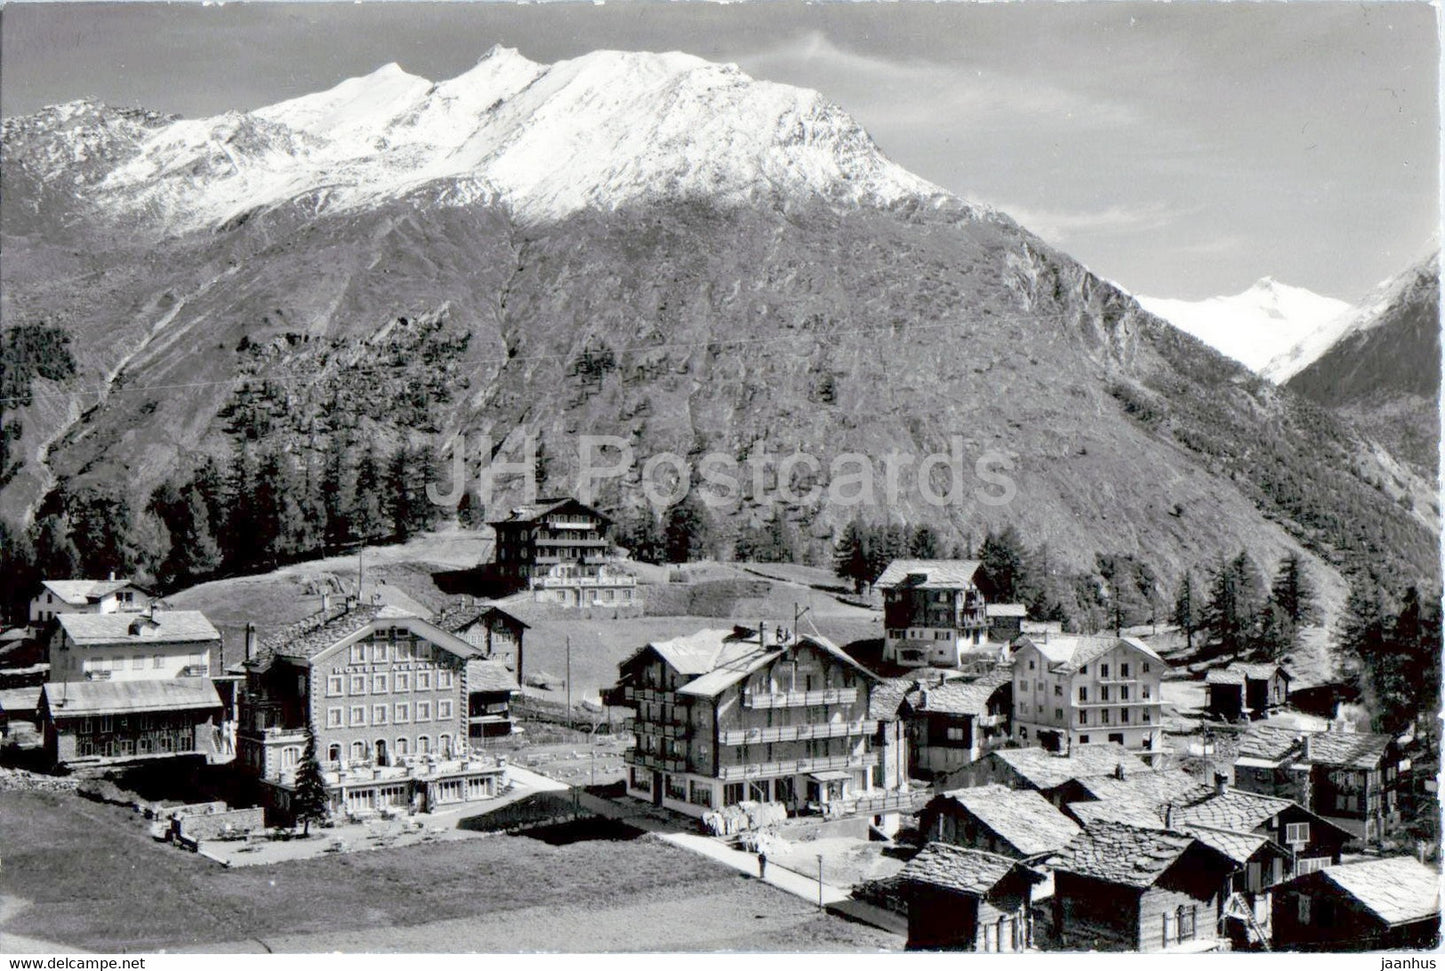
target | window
[
  {"x": 1058, "y": 713},
  {"x": 1297, "y": 833},
  {"x": 358, "y": 654},
  {"x": 378, "y": 651},
  {"x": 138, "y": 663},
  {"x": 444, "y": 679},
  {"x": 1123, "y": 692},
  {"x": 358, "y": 714},
  {"x": 1144, "y": 716},
  {"x": 333, "y": 718},
  {"x": 333, "y": 685},
  {"x": 1083, "y": 693},
  {"x": 1304, "y": 908},
  {"x": 1084, "y": 717},
  {"x": 955, "y": 734},
  {"x": 423, "y": 744},
  {"x": 378, "y": 684},
  {"x": 1145, "y": 692},
  {"x": 1083, "y": 740},
  {"x": 423, "y": 681},
  {"x": 402, "y": 713},
  {"x": 157, "y": 661},
  {"x": 403, "y": 651},
  {"x": 1039, "y": 686},
  {"x": 732, "y": 793},
  {"x": 1058, "y": 691},
  {"x": 378, "y": 714},
  {"x": 1083, "y": 669},
  {"x": 1104, "y": 693},
  {"x": 290, "y": 755},
  {"x": 423, "y": 711},
  {"x": 403, "y": 681},
  {"x": 1103, "y": 670},
  {"x": 444, "y": 745},
  {"x": 1123, "y": 716},
  {"x": 1123, "y": 670},
  {"x": 701, "y": 795},
  {"x": 1103, "y": 716},
  {"x": 1031, "y": 665},
  {"x": 444, "y": 709},
  {"x": 1310, "y": 864},
  {"x": 358, "y": 684}
]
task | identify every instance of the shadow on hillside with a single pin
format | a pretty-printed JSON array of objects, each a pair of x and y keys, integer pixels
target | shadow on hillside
[{"x": 472, "y": 582}]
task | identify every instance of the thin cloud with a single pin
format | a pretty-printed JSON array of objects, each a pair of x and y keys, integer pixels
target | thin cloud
[{"x": 1062, "y": 226}]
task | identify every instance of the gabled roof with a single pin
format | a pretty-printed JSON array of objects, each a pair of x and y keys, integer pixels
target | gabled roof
[
  {"x": 1261, "y": 671},
  {"x": 1233, "y": 809},
  {"x": 1397, "y": 889},
  {"x": 1236, "y": 847},
  {"x": 71, "y": 699},
  {"x": 162, "y": 626},
  {"x": 321, "y": 633},
  {"x": 531, "y": 512},
  {"x": 79, "y": 592},
  {"x": 740, "y": 656},
  {"x": 1268, "y": 742},
  {"x": 1023, "y": 818},
  {"x": 1005, "y": 610},
  {"x": 959, "y": 696},
  {"x": 1150, "y": 790},
  {"x": 1360, "y": 750},
  {"x": 886, "y": 698},
  {"x": 484, "y": 675},
  {"x": 1127, "y": 811},
  {"x": 458, "y": 618},
  {"x": 1229, "y": 675},
  {"x": 928, "y": 574},
  {"x": 1128, "y": 855},
  {"x": 961, "y": 870},
  {"x": 1045, "y": 770},
  {"x": 1069, "y": 652}
]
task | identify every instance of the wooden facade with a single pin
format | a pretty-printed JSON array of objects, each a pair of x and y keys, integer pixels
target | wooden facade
[{"x": 1377, "y": 905}]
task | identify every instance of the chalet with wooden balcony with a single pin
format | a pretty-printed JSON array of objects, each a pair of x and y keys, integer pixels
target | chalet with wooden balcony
[
  {"x": 727, "y": 716},
  {"x": 933, "y": 612},
  {"x": 1351, "y": 779},
  {"x": 1074, "y": 690},
  {"x": 558, "y": 548},
  {"x": 100, "y": 722},
  {"x": 491, "y": 630},
  {"x": 1245, "y": 690},
  {"x": 1051, "y": 773},
  {"x": 386, "y": 695},
  {"x": 955, "y": 721},
  {"x": 145, "y": 646}
]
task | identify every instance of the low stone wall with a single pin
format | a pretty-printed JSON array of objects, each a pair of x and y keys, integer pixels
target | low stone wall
[{"x": 210, "y": 825}]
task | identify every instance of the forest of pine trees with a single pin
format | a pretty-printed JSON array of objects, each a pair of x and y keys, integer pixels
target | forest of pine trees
[{"x": 266, "y": 508}]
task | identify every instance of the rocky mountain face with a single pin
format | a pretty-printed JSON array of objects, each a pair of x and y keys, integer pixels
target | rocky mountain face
[
  {"x": 1271, "y": 328},
  {"x": 1383, "y": 373},
  {"x": 651, "y": 247}
]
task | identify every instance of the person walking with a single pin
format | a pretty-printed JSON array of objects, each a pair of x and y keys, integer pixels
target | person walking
[{"x": 762, "y": 865}]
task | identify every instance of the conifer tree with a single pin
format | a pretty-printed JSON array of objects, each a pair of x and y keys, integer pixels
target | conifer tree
[
  {"x": 923, "y": 544},
  {"x": 310, "y": 802},
  {"x": 850, "y": 556},
  {"x": 1186, "y": 613},
  {"x": 1293, "y": 592},
  {"x": 368, "y": 514}
]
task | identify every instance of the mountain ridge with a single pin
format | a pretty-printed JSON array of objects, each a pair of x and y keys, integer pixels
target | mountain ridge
[{"x": 698, "y": 318}]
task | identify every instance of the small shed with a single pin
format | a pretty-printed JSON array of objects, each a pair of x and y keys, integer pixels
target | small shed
[{"x": 1374, "y": 905}]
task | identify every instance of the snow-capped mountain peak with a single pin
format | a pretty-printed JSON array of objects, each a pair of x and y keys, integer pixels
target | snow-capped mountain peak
[
  {"x": 1258, "y": 325},
  {"x": 596, "y": 131}
]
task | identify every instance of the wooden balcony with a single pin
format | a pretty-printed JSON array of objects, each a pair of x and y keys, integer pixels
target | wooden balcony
[
  {"x": 800, "y": 699},
  {"x": 760, "y": 770},
  {"x": 793, "y": 733}
]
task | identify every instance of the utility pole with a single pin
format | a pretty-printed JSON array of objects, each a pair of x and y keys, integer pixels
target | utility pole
[
  {"x": 820, "y": 881},
  {"x": 569, "y": 682},
  {"x": 798, "y": 616}
]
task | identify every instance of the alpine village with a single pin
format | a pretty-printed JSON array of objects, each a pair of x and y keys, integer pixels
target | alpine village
[{"x": 1179, "y": 694}]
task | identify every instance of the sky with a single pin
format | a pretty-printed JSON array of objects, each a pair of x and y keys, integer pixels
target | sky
[{"x": 1179, "y": 149}]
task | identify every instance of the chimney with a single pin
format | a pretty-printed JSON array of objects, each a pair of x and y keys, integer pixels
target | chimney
[
  {"x": 1119, "y": 771},
  {"x": 1221, "y": 783},
  {"x": 325, "y": 601},
  {"x": 112, "y": 574},
  {"x": 1305, "y": 746},
  {"x": 1168, "y": 815},
  {"x": 250, "y": 641},
  {"x": 922, "y": 700}
]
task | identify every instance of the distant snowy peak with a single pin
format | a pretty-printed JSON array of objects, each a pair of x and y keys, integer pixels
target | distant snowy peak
[
  {"x": 1259, "y": 325},
  {"x": 1374, "y": 310},
  {"x": 597, "y": 131}
]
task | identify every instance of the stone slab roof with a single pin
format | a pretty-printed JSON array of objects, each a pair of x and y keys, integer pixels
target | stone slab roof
[
  {"x": 1397, "y": 889},
  {"x": 489, "y": 676},
  {"x": 160, "y": 627},
  {"x": 959, "y": 696},
  {"x": 959, "y": 869},
  {"x": 1024, "y": 818},
  {"x": 1005, "y": 610},
  {"x": 75, "y": 698},
  {"x": 1118, "y": 853},
  {"x": 933, "y": 574},
  {"x": 79, "y": 592},
  {"x": 1233, "y": 809},
  {"x": 1360, "y": 750},
  {"x": 1045, "y": 770}
]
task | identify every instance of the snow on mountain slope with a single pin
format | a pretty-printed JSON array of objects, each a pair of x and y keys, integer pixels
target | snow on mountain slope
[
  {"x": 600, "y": 131},
  {"x": 1261, "y": 325}
]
